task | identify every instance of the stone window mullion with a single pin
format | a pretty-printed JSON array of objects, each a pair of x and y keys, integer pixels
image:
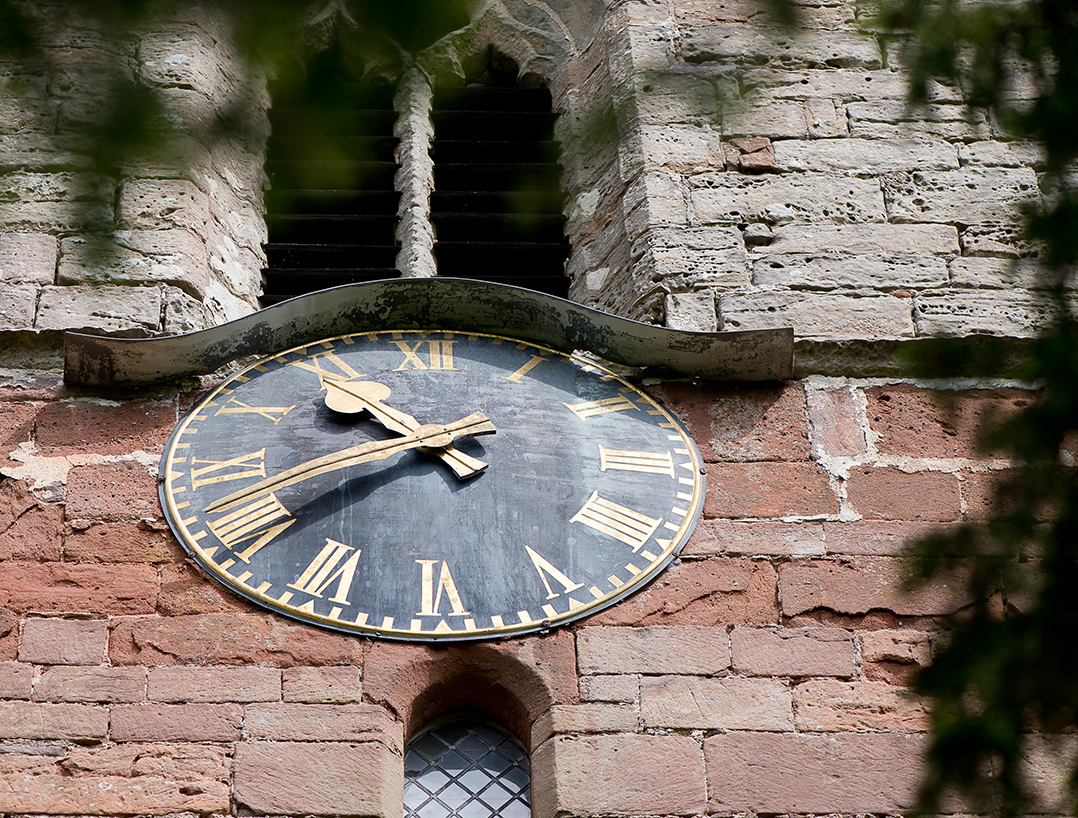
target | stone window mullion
[{"x": 415, "y": 177}]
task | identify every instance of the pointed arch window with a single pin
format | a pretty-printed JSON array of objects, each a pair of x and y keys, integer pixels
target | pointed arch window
[{"x": 463, "y": 766}]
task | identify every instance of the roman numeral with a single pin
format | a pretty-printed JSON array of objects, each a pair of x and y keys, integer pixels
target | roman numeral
[
  {"x": 246, "y": 465},
  {"x": 430, "y": 603},
  {"x": 621, "y": 523},
  {"x": 545, "y": 569},
  {"x": 315, "y": 364},
  {"x": 525, "y": 369},
  {"x": 238, "y": 407},
  {"x": 601, "y": 407},
  {"x": 439, "y": 355},
  {"x": 651, "y": 462},
  {"x": 323, "y": 570},
  {"x": 250, "y": 523}
]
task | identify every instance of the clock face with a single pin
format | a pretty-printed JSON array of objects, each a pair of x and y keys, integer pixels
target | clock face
[{"x": 431, "y": 486}]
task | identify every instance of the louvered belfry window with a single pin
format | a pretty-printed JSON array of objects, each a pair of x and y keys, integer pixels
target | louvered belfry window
[{"x": 333, "y": 159}]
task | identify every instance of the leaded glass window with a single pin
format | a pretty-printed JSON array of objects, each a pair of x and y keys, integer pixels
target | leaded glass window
[{"x": 466, "y": 768}]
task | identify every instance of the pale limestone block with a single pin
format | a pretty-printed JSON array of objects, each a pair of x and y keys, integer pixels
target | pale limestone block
[
  {"x": 824, "y": 119},
  {"x": 820, "y": 315},
  {"x": 174, "y": 257},
  {"x": 1001, "y": 273},
  {"x": 55, "y": 217},
  {"x": 999, "y": 240},
  {"x": 1002, "y": 154},
  {"x": 236, "y": 267},
  {"x": 180, "y": 60},
  {"x": 32, "y": 150},
  {"x": 756, "y": 45},
  {"x": 222, "y": 305},
  {"x": 708, "y": 703},
  {"x": 781, "y": 119},
  {"x": 692, "y": 311},
  {"x": 889, "y": 239},
  {"x": 893, "y": 119},
  {"x": 181, "y": 312},
  {"x": 57, "y": 187},
  {"x": 830, "y": 705},
  {"x": 729, "y": 198},
  {"x": 687, "y": 258},
  {"x": 654, "y": 200},
  {"x": 28, "y": 258},
  {"x": 125, "y": 310},
  {"x": 18, "y": 304},
  {"x": 664, "y": 98},
  {"x": 1005, "y": 313},
  {"x": 156, "y": 204},
  {"x": 688, "y": 147},
  {"x": 842, "y": 84},
  {"x": 967, "y": 196},
  {"x": 850, "y": 272},
  {"x": 864, "y": 155}
]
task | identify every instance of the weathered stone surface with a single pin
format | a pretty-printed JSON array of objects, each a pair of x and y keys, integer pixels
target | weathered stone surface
[
  {"x": 897, "y": 119},
  {"x": 903, "y": 646},
  {"x": 16, "y": 680},
  {"x": 338, "y": 779},
  {"x": 323, "y": 722},
  {"x": 751, "y": 539},
  {"x": 691, "y": 311},
  {"x": 227, "y": 638},
  {"x": 729, "y": 198},
  {"x": 847, "y": 85},
  {"x": 139, "y": 543},
  {"x": 999, "y": 273},
  {"x": 216, "y": 684},
  {"x": 27, "y": 258},
  {"x": 780, "y": 119},
  {"x": 861, "y": 314},
  {"x": 830, "y": 705},
  {"x": 716, "y": 591},
  {"x": 85, "y": 589},
  {"x": 29, "y": 530},
  {"x": 162, "y": 204},
  {"x": 888, "y": 239},
  {"x": 612, "y": 688},
  {"x": 176, "y": 257},
  {"x": 769, "y": 490},
  {"x": 329, "y": 685},
  {"x": 785, "y": 773},
  {"x": 91, "y": 684},
  {"x": 176, "y": 722},
  {"x": 654, "y": 200},
  {"x": 73, "y": 722},
  {"x": 864, "y": 155},
  {"x": 18, "y": 306},
  {"x": 875, "y": 538},
  {"x": 626, "y": 774},
  {"x": 1007, "y": 313},
  {"x": 859, "y": 585},
  {"x": 73, "y": 427},
  {"x": 885, "y": 493},
  {"x": 683, "y": 147},
  {"x": 107, "y": 795},
  {"x": 970, "y": 195},
  {"x": 991, "y": 153},
  {"x": 123, "y": 490},
  {"x": 756, "y": 45},
  {"x": 177, "y": 762},
  {"x": 577, "y": 719},
  {"x": 792, "y": 652},
  {"x": 55, "y": 641},
  {"x": 685, "y": 649},
  {"x": 687, "y": 258},
  {"x": 108, "y": 308},
  {"x": 814, "y": 272},
  {"x": 835, "y": 423},
  {"x": 704, "y": 703}
]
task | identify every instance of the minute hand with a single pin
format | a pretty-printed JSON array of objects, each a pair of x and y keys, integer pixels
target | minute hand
[{"x": 429, "y": 435}]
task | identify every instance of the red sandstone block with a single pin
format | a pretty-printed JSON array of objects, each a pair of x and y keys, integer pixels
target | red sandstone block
[
  {"x": 834, "y": 418},
  {"x": 306, "y": 778},
  {"x": 176, "y": 722},
  {"x": 113, "y": 795},
  {"x": 16, "y": 426},
  {"x": 79, "y": 426},
  {"x": 872, "y": 538},
  {"x": 708, "y": 703},
  {"x": 978, "y": 499},
  {"x": 745, "y": 422},
  {"x": 323, "y": 722},
  {"x": 185, "y": 591},
  {"x": 92, "y": 589},
  {"x": 890, "y": 494},
  {"x": 141, "y": 543},
  {"x": 903, "y": 646},
  {"x": 768, "y": 490},
  {"x": 793, "y": 652},
  {"x": 575, "y": 719},
  {"x": 715, "y": 591},
  {"x": 214, "y": 684},
  {"x": 55, "y": 641},
  {"x": 29, "y": 530},
  {"x": 781, "y": 773},
  {"x": 16, "y": 680},
  {"x": 830, "y": 705},
  {"x": 175, "y": 762},
  {"x": 857, "y": 586},
  {"x": 660, "y": 649},
  {"x": 229, "y": 639},
  {"x": 91, "y": 684},
  {"x": 614, "y": 688},
  {"x": 756, "y": 538},
  {"x": 621, "y": 773},
  {"x": 70, "y": 722},
  {"x": 328, "y": 685},
  {"x": 111, "y": 491}
]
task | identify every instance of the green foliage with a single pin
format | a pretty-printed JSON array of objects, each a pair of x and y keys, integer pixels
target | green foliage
[{"x": 1005, "y": 680}]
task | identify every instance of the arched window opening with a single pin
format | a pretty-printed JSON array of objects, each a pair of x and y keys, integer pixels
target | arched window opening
[{"x": 464, "y": 766}]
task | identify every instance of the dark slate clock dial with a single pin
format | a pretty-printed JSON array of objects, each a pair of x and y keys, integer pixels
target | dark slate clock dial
[{"x": 585, "y": 490}]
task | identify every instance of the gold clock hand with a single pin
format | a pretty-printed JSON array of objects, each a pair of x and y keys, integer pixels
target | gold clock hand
[
  {"x": 433, "y": 434},
  {"x": 356, "y": 396}
]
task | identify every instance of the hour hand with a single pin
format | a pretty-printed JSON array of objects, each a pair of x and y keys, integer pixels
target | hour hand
[{"x": 356, "y": 396}]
